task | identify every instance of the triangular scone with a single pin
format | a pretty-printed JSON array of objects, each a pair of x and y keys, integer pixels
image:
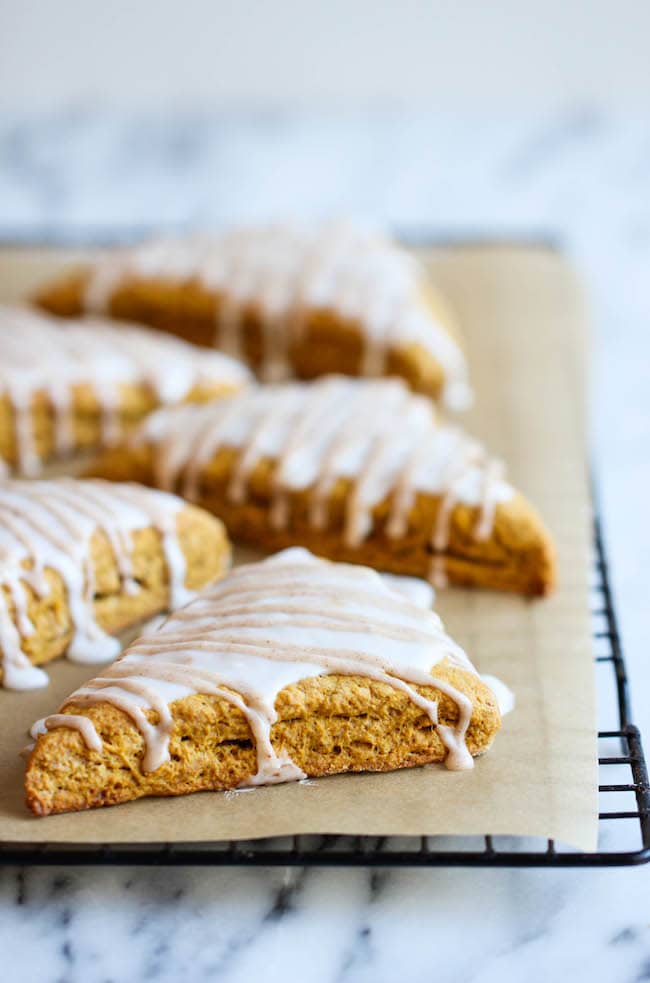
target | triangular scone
[
  {"x": 69, "y": 386},
  {"x": 356, "y": 470},
  {"x": 80, "y": 560},
  {"x": 288, "y": 668},
  {"x": 291, "y": 300}
]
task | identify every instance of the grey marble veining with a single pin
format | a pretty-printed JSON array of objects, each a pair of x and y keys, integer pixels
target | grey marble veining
[
  {"x": 581, "y": 175},
  {"x": 87, "y": 926}
]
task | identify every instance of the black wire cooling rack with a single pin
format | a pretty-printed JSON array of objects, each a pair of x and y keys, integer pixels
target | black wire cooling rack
[{"x": 624, "y": 819}]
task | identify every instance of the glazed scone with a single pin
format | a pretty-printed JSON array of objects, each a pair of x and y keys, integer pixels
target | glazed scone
[
  {"x": 353, "y": 469},
  {"x": 70, "y": 386},
  {"x": 81, "y": 560},
  {"x": 290, "y": 300},
  {"x": 288, "y": 668}
]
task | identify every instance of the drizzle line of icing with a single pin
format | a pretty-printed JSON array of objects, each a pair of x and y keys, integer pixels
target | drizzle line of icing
[
  {"x": 49, "y": 525},
  {"x": 269, "y": 625},
  {"x": 42, "y": 354},
  {"x": 377, "y": 434},
  {"x": 286, "y": 271},
  {"x": 85, "y": 727}
]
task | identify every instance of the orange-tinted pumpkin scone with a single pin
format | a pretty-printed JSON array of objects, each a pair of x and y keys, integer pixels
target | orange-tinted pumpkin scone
[
  {"x": 291, "y": 300},
  {"x": 81, "y": 560},
  {"x": 356, "y": 470},
  {"x": 288, "y": 668},
  {"x": 72, "y": 386}
]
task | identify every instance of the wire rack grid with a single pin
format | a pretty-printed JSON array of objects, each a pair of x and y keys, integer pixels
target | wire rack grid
[{"x": 623, "y": 787}]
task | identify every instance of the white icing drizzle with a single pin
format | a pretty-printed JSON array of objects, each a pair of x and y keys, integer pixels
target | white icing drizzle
[
  {"x": 417, "y": 591},
  {"x": 377, "y": 434},
  {"x": 504, "y": 695},
  {"x": 49, "y": 526},
  {"x": 50, "y": 355},
  {"x": 269, "y": 625},
  {"x": 285, "y": 271},
  {"x": 85, "y": 727}
]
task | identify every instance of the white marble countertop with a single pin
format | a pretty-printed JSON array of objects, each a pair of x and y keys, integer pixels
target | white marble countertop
[{"x": 582, "y": 176}]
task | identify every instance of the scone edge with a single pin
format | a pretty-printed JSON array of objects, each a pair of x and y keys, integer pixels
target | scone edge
[{"x": 321, "y": 724}]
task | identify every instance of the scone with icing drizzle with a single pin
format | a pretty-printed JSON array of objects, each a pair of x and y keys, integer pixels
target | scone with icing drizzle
[
  {"x": 288, "y": 668},
  {"x": 81, "y": 560},
  {"x": 72, "y": 386},
  {"x": 291, "y": 300},
  {"x": 354, "y": 469}
]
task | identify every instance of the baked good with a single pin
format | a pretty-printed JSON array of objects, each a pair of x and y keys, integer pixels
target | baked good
[
  {"x": 354, "y": 469},
  {"x": 66, "y": 386},
  {"x": 291, "y": 300},
  {"x": 288, "y": 668},
  {"x": 81, "y": 560}
]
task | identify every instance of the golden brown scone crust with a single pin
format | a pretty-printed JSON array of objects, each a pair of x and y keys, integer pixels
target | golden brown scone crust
[
  {"x": 205, "y": 546},
  {"x": 328, "y": 344},
  {"x": 327, "y": 725},
  {"x": 519, "y": 555},
  {"x": 136, "y": 401}
]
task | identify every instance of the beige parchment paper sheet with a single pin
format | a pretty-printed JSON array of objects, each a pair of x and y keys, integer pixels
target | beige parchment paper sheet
[{"x": 522, "y": 313}]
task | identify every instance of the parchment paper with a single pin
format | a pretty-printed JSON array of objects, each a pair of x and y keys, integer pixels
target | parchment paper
[{"x": 522, "y": 314}]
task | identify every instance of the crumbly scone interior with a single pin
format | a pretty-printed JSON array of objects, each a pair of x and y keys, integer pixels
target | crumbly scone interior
[
  {"x": 289, "y": 667},
  {"x": 327, "y": 726},
  {"x": 125, "y": 558}
]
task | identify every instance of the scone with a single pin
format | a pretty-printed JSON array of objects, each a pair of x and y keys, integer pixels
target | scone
[
  {"x": 291, "y": 300},
  {"x": 354, "y": 469},
  {"x": 288, "y": 668},
  {"x": 71, "y": 386},
  {"x": 81, "y": 560}
]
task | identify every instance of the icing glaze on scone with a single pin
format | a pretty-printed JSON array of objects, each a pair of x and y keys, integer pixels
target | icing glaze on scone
[
  {"x": 42, "y": 354},
  {"x": 285, "y": 271},
  {"x": 375, "y": 433},
  {"x": 48, "y": 525},
  {"x": 269, "y": 625}
]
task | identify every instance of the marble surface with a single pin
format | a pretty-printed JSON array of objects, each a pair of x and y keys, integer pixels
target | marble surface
[{"x": 580, "y": 175}]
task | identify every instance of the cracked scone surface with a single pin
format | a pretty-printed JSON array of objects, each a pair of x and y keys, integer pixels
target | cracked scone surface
[
  {"x": 355, "y": 470},
  {"x": 272, "y": 651},
  {"x": 327, "y": 726},
  {"x": 124, "y": 564},
  {"x": 67, "y": 387},
  {"x": 291, "y": 301}
]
